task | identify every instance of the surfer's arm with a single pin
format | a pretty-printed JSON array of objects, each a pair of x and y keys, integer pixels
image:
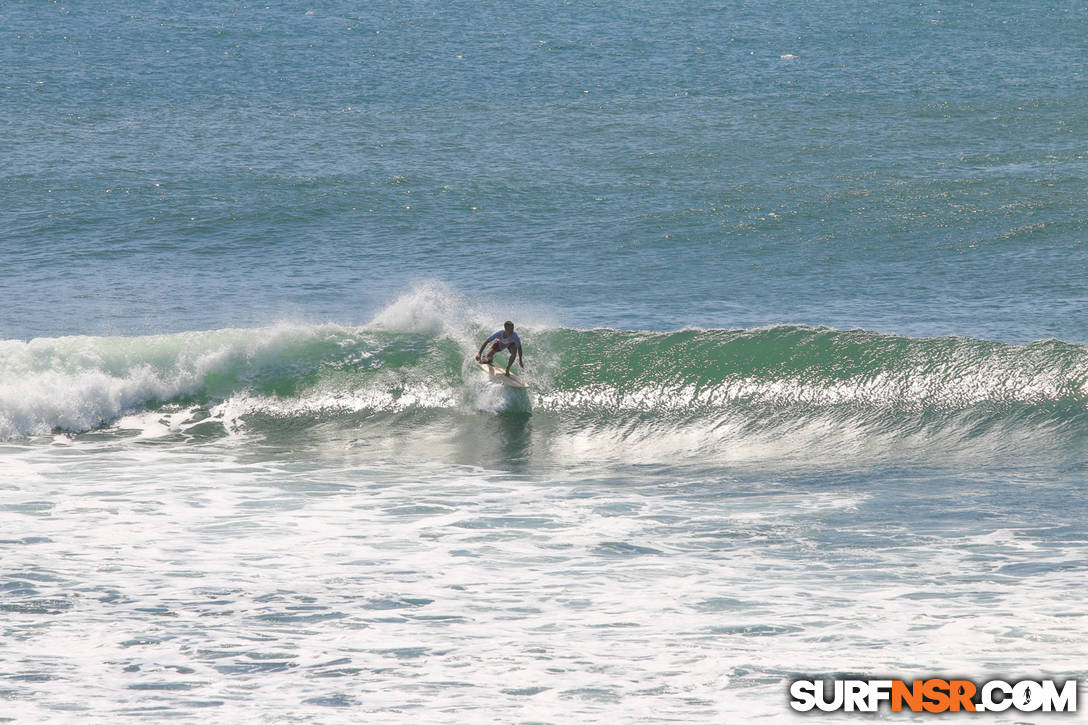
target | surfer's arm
[
  {"x": 481, "y": 352},
  {"x": 510, "y": 362}
]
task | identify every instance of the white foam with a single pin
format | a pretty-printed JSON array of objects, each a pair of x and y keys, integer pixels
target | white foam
[
  {"x": 78, "y": 383},
  {"x": 585, "y": 600},
  {"x": 317, "y": 402}
]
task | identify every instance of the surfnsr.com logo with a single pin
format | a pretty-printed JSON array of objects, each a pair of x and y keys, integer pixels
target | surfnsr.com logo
[{"x": 933, "y": 695}]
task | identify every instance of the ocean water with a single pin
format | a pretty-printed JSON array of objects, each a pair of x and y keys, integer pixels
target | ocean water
[{"x": 802, "y": 292}]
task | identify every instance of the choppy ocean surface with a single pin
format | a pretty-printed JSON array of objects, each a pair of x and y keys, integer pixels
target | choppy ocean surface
[{"x": 803, "y": 297}]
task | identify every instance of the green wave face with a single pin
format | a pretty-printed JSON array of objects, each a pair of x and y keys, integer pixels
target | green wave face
[
  {"x": 604, "y": 392},
  {"x": 801, "y": 367}
]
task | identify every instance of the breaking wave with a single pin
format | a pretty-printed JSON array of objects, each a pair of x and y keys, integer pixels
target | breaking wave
[{"x": 600, "y": 392}]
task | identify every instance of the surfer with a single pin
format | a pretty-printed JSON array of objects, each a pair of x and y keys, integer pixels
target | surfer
[{"x": 504, "y": 339}]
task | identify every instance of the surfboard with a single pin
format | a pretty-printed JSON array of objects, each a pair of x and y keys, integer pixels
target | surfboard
[{"x": 497, "y": 375}]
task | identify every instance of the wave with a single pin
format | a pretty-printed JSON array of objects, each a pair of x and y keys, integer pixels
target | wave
[{"x": 792, "y": 386}]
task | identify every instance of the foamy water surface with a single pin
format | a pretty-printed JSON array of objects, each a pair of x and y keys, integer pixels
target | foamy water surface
[{"x": 222, "y": 579}]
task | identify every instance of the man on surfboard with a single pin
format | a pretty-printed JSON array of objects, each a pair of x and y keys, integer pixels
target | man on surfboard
[{"x": 504, "y": 339}]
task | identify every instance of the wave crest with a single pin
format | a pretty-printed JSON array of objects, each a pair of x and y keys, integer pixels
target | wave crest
[{"x": 604, "y": 389}]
